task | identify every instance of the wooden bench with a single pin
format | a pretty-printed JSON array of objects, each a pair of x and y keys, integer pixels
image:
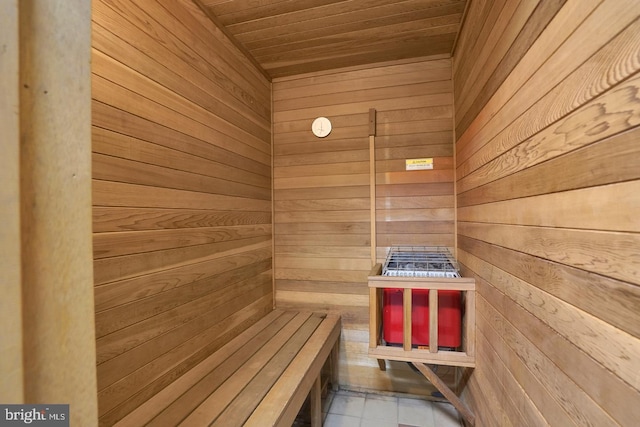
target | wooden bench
[{"x": 260, "y": 378}]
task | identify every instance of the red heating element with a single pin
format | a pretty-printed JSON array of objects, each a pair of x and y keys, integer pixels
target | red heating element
[{"x": 449, "y": 317}]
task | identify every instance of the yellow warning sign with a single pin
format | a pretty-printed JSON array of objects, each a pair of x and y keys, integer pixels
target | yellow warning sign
[{"x": 419, "y": 164}]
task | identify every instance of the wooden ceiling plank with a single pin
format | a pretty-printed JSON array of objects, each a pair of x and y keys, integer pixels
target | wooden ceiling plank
[
  {"x": 385, "y": 48},
  {"x": 326, "y": 48},
  {"x": 294, "y": 37},
  {"x": 238, "y": 16},
  {"x": 376, "y": 12},
  {"x": 283, "y": 69},
  {"x": 263, "y": 46}
]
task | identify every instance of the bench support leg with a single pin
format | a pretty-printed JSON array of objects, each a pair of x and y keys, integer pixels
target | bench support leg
[
  {"x": 316, "y": 403},
  {"x": 333, "y": 363}
]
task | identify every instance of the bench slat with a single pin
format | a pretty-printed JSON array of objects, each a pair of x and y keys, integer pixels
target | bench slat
[
  {"x": 247, "y": 400},
  {"x": 281, "y": 405},
  {"x": 211, "y": 381},
  {"x": 146, "y": 412},
  {"x": 259, "y": 378},
  {"x": 217, "y": 401}
]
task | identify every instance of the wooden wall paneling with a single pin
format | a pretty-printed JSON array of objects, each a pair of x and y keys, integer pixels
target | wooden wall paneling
[
  {"x": 581, "y": 369},
  {"x": 121, "y": 293},
  {"x": 493, "y": 329},
  {"x": 114, "y": 144},
  {"x": 122, "y": 314},
  {"x": 113, "y": 194},
  {"x": 106, "y": 117},
  {"x": 547, "y": 189},
  {"x": 122, "y": 267},
  {"x": 571, "y": 398},
  {"x": 492, "y": 36},
  {"x": 107, "y": 219},
  {"x": 124, "y": 350},
  {"x": 204, "y": 128},
  {"x": 615, "y": 203},
  {"x": 533, "y": 120},
  {"x": 557, "y": 53},
  {"x": 593, "y": 171},
  {"x": 608, "y": 299},
  {"x": 561, "y": 27},
  {"x": 193, "y": 60},
  {"x": 485, "y": 397},
  {"x": 236, "y": 58},
  {"x": 610, "y": 346},
  {"x": 514, "y": 403},
  {"x": 181, "y": 192},
  {"x": 538, "y": 21},
  {"x": 408, "y": 102},
  {"x": 389, "y": 93},
  {"x": 609, "y": 254},
  {"x": 108, "y": 168},
  {"x": 144, "y": 383},
  {"x": 322, "y": 194},
  {"x": 108, "y": 245},
  {"x": 363, "y": 79},
  {"x": 470, "y": 34}
]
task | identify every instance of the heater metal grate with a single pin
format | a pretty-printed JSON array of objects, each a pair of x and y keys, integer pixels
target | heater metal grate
[{"x": 420, "y": 261}]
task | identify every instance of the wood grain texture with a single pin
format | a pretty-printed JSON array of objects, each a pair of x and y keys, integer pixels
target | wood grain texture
[
  {"x": 322, "y": 191},
  {"x": 547, "y": 196},
  {"x": 266, "y": 370},
  {"x": 181, "y": 194},
  {"x": 308, "y": 36}
]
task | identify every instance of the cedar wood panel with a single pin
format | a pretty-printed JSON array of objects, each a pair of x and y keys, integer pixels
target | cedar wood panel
[
  {"x": 322, "y": 200},
  {"x": 547, "y": 169},
  {"x": 546, "y": 173},
  {"x": 181, "y": 195}
]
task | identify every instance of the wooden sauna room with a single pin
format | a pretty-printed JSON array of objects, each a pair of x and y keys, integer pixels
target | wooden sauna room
[{"x": 198, "y": 198}]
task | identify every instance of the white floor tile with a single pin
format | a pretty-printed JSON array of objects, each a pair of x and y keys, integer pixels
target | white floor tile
[
  {"x": 351, "y": 404},
  {"x": 377, "y": 423},
  {"x": 381, "y": 408},
  {"x": 352, "y": 409},
  {"x": 415, "y": 412},
  {"x": 337, "y": 420},
  {"x": 445, "y": 415}
]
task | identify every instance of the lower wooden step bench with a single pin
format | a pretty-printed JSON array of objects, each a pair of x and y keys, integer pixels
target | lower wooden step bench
[{"x": 260, "y": 378}]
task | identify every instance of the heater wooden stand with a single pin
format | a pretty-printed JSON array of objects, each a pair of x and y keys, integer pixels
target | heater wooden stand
[{"x": 465, "y": 357}]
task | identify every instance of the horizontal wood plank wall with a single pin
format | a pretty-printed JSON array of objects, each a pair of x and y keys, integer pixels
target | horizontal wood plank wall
[
  {"x": 322, "y": 200},
  {"x": 548, "y": 191},
  {"x": 181, "y": 194}
]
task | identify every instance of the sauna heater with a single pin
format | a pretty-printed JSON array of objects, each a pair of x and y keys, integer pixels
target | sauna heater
[{"x": 421, "y": 262}]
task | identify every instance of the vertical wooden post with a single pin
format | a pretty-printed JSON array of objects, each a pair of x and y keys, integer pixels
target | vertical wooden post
[
  {"x": 315, "y": 398},
  {"x": 335, "y": 364},
  {"x": 470, "y": 323},
  {"x": 55, "y": 177},
  {"x": 372, "y": 181},
  {"x": 373, "y": 317},
  {"x": 406, "y": 318},
  {"x": 11, "y": 368},
  {"x": 433, "y": 321}
]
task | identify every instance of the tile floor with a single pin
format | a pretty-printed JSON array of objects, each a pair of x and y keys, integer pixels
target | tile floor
[{"x": 354, "y": 409}]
